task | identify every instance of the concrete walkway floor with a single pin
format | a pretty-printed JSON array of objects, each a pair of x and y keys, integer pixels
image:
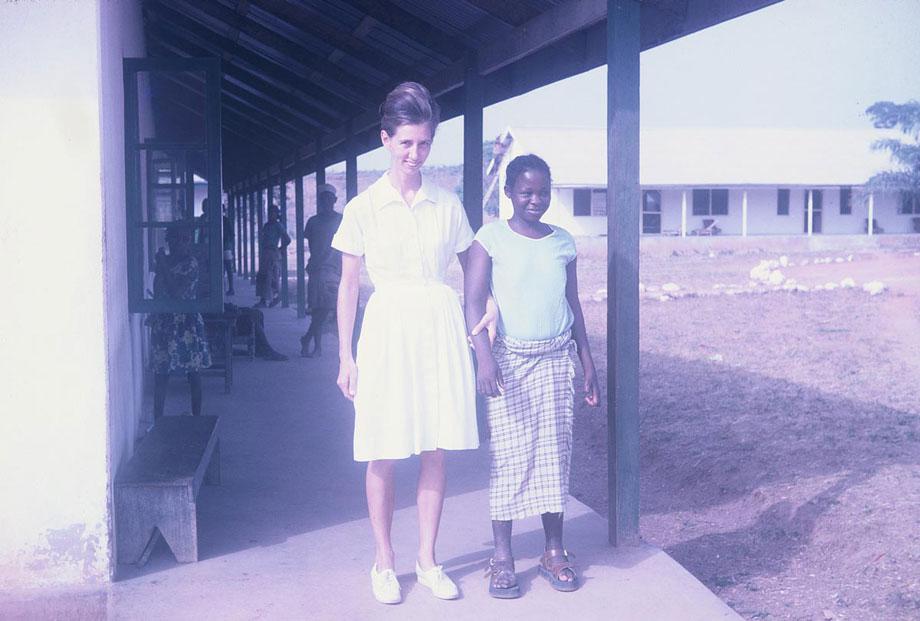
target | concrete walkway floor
[{"x": 286, "y": 536}]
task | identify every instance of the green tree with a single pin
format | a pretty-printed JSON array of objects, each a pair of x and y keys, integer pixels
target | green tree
[{"x": 904, "y": 153}]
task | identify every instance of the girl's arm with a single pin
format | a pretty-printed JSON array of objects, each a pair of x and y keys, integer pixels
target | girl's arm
[
  {"x": 580, "y": 334},
  {"x": 475, "y": 293},
  {"x": 347, "y": 308}
]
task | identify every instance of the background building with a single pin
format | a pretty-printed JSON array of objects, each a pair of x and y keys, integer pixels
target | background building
[{"x": 744, "y": 181}]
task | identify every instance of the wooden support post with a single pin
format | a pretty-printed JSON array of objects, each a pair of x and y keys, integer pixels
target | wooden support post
[
  {"x": 252, "y": 234},
  {"x": 744, "y": 214},
  {"x": 260, "y": 220},
  {"x": 351, "y": 166},
  {"x": 683, "y": 213},
  {"x": 623, "y": 270},
  {"x": 870, "y": 221},
  {"x": 811, "y": 212},
  {"x": 320, "y": 167},
  {"x": 238, "y": 209},
  {"x": 472, "y": 143},
  {"x": 299, "y": 225},
  {"x": 241, "y": 234},
  {"x": 282, "y": 206}
]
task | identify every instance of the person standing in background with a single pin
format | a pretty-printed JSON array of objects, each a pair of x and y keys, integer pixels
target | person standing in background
[{"x": 324, "y": 268}]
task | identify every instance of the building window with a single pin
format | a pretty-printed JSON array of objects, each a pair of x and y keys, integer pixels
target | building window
[
  {"x": 651, "y": 212},
  {"x": 581, "y": 199},
  {"x": 817, "y": 200},
  {"x": 782, "y": 202},
  {"x": 710, "y": 202},
  {"x": 910, "y": 203},
  {"x": 599, "y": 202},
  {"x": 846, "y": 201}
]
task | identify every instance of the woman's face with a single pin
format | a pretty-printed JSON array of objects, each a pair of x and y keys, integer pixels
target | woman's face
[
  {"x": 530, "y": 195},
  {"x": 409, "y": 146}
]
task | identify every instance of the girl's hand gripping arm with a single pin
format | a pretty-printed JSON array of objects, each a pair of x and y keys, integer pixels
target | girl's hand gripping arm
[{"x": 477, "y": 273}]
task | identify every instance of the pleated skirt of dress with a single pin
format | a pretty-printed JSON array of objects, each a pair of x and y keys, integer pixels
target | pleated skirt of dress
[{"x": 416, "y": 387}]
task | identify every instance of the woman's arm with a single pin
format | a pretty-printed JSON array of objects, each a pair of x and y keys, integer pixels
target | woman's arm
[
  {"x": 475, "y": 292},
  {"x": 580, "y": 334},
  {"x": 347, "y": 308}
]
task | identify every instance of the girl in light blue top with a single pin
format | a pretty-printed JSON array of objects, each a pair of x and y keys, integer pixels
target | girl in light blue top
[{"x": 527, "y": 375}]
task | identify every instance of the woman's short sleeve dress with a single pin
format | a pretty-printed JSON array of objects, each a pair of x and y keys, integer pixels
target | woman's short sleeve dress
[{"x": 416, "y": 388}]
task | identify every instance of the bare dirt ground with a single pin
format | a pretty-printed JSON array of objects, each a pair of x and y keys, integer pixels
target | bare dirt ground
[{"x": 780, "y": 431}]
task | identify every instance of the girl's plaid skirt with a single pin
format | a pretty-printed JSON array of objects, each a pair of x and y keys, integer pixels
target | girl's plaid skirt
[{"x": 531, "y": 427}]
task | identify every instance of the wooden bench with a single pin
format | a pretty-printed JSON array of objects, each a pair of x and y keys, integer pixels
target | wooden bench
[{"x": 155, "y": 491}]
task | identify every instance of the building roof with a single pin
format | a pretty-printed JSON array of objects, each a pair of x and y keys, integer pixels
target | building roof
[
  {"x": 705, "y": 156},
  {"x": 300, "y": 78}
]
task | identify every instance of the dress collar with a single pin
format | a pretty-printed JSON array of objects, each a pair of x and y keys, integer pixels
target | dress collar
[{"x": 383, "y": 193}]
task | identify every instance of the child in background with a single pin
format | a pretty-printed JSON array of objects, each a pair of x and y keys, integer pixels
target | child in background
[{"x": 527, "y": 375}]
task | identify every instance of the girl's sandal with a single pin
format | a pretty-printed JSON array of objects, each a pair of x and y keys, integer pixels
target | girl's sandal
[
  {"x": 502, "y": 579},
  {"x": 552, "y": 565}
]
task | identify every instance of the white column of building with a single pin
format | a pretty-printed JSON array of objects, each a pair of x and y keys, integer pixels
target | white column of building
[
  {"x": 811, "y": 211},
  {"x": 744, "y": 209},
  {"x": 683, "y": 213},
  {"x": 870, "y": 222}
]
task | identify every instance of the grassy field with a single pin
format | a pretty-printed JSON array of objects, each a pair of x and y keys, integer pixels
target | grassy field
[{"x": 780, "y": 430}]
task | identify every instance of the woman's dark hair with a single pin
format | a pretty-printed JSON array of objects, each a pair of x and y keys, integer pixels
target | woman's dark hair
[
  {"x": 410, "y": 103},
  {"x": 522, "y": 163}
]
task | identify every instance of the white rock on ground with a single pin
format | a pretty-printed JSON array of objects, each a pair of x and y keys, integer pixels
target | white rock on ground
[
  {"x": 849, "y": 258},
  {"x": 839, "y": 260},
  {"x": 830, "y": 286},
  {"x": 600, "y": 295},
  {"x": 670, "y": 287},
  {"x": 716, "y": 358},
  {"x": 847, "y": 283},
  {"x": 776, "y": 278},
  {"x": 784, "y": 261},
  {"x": 641, "y": 288},
  {"x": 875, "y": 287},
  {"x": 664, "y": 298}
]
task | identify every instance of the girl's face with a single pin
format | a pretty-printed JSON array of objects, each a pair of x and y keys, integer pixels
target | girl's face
[
  {"x": 409, "y": 147},
  {"x": 530, "y": 195}
]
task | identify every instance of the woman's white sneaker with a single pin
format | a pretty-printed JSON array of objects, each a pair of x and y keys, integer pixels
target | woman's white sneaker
[
  {"x": 435, "y": 579},
  {"x": 385, "y": 586}
]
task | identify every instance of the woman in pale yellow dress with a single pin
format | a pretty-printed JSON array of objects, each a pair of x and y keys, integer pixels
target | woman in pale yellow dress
[{"x": 412, "y": 382}]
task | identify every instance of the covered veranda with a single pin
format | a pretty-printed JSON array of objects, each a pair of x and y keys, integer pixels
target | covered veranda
[{"x": 298, "y": 87}]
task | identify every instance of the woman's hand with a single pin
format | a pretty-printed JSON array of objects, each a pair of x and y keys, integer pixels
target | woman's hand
[
  {"x": 592, "y": 390},
  {"x": 348, "y": 378},
  {"x": 489, "y": 377},
  {"x": 489, "y": 321}
]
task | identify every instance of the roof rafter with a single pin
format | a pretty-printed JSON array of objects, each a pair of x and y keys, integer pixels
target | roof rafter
[
  {"x": 310, "y": 20},
  {"x": 268, "y": 44},
  {"x": 284, "y": 113},
  {"x": 266, "y": 67}
]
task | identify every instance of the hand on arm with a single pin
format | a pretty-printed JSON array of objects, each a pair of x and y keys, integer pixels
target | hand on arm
[
  {"x": 580, "y": 334},
  {"x": 347, "y": 309},
  {"x": 477, "y": 270}
]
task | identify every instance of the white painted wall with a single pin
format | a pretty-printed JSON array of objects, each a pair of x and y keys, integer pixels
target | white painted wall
[
  {"x": 121, "y": 36},
  {"x": 65, "y": 320}
]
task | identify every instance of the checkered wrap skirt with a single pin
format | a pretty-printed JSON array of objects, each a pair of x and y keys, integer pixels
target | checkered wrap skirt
[{"x": 531, "y": 427}]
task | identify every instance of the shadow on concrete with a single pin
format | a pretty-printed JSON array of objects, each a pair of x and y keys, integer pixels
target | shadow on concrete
[{"x": 286, "y": 454}]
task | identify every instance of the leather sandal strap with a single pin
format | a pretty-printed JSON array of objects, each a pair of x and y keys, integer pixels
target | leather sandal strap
[{"x": 552, "y": 561}]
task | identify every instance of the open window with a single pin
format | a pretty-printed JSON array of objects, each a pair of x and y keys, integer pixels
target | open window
[{"x": 173, "y": 184}]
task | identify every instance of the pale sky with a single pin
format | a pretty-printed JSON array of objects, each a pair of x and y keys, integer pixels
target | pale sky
[{"x": 799, "y": 63}]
